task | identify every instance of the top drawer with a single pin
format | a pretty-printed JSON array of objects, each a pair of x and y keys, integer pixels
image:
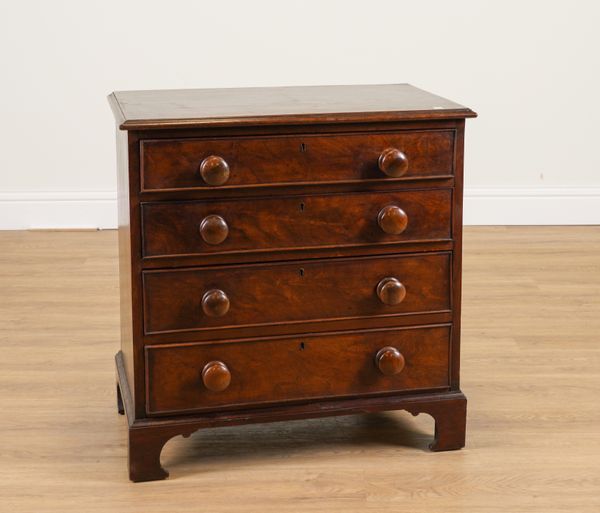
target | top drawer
[{"x": 290, "y": 160}]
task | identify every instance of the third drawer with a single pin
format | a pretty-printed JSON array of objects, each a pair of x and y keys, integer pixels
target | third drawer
[{"x": 335, "y": 289}]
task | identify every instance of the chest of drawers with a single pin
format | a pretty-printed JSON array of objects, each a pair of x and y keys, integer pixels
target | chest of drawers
[{"x": 287, "y": 253}]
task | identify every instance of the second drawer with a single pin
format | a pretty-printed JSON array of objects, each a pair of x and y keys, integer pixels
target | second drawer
[
  {"x": 314, "y": 290},
  {"x": 318, "y": 221}
]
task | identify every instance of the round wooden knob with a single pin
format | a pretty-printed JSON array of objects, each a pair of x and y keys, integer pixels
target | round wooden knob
[
  {"x": 393, "y": 162},
  {"x": 216, "y": 376},
  {"x": 215, "y": 303},
  {"x": 214, "y": 229},
  {"x": 214, "y": 170},
  {"x": 391, "y": 291},
  {"x": 389, "y": 361},
  {"x": 392, "y": 220}
]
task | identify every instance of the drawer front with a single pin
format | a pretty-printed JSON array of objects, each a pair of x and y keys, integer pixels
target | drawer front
[
  {"x": 307, "y": 222},
  {"x": 251, "y": 162},
  {"x": 314, "y": 290},
  {"x": 235, "y": 374}
]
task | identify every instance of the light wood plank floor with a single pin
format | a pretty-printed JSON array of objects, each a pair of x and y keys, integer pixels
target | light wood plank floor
[{"x": 531, "y": 371}]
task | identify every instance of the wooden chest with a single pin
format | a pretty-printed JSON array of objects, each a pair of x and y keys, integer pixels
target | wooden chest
[{"x": 287, "y": 253}]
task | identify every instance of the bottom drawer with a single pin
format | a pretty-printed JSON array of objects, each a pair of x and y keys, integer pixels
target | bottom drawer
[{"x": 190, "y": 377}]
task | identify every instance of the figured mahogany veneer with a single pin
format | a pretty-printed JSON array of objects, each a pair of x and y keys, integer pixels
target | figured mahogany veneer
[
  {"x": 268, "y": 161},
  {"x": 296, "y": 222},
  {"x": 305, "y": 369},
  {"x": 287, "y": 253},
  {"x": 310, "y": 290}
]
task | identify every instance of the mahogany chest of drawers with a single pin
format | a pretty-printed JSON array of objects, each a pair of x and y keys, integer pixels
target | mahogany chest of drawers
[{"x": 287, "y": 253}]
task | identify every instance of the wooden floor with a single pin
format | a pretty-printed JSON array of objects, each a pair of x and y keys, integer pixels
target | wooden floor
[{"x": 531, "y": 371}]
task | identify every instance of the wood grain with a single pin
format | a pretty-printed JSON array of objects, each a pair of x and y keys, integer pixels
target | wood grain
[
  {"x": 294, "y": 292},
  {"x": 276, "y": 105},
  {"x": 265, "y": 162},
  {"x": 297, "y": 222},
  {"x": 294, "y": 368},
  {"x": 530, "y": 367}
]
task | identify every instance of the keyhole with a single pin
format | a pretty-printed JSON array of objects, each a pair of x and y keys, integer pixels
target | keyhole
[
  {"x": 302, "y": 147},
  {"x": 301, "y": 271},
  {"x": 301, "y": 346},
  {"x": 301, "y": 207}
]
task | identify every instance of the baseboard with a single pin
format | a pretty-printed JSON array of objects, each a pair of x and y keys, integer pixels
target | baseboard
[
  {"x": 56, "y": 210},
  {"x": 98, "y": 209},
  {"x": 551, "y": 206}
]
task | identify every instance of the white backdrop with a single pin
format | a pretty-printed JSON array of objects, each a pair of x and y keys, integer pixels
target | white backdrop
[{"x": 529, "y": 68}]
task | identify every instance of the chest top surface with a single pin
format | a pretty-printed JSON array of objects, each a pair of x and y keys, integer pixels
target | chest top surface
[{"x": 188, "y": 108}]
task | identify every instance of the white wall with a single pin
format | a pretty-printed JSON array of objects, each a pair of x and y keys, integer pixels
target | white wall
[{"x": 530, "y": 68}]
